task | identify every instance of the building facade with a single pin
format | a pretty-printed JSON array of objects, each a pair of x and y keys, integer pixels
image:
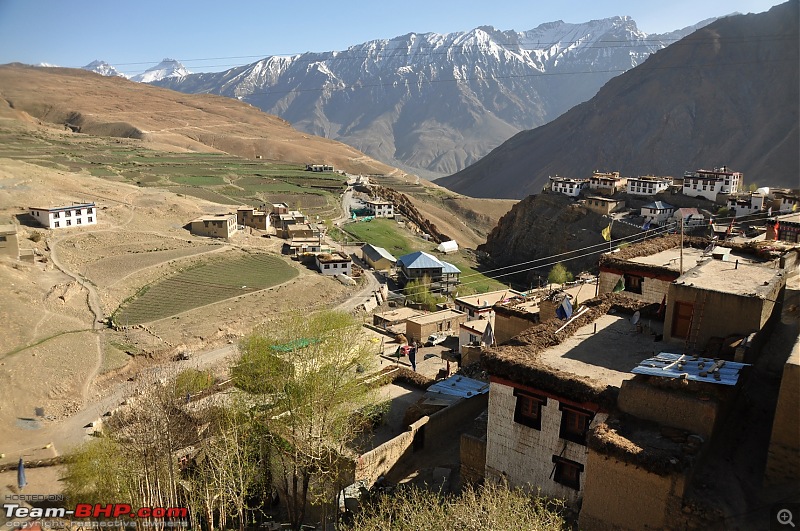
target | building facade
[
  {"x": 380, "y": 208},
  {"x": 708, "y": 183},
  {"x": 744, "y": 205},
  {"x": 607, "y": 183},
  {"x": 568, "y": 186},
  {"x": 216, "y": 226},
  {"x": 604, "y": 205},
  {"x": 251, "y": 217},
  {"x": 334, "y": 264},
  {"x": 9, "y": 243},
  {"x": 647, "y": 185},
  {"x": 78, "y": 214},
  {"x": 657, "y": 212},
  {"x": 444, "y": 321}
]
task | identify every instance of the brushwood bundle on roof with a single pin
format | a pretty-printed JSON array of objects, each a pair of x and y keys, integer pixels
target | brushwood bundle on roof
[{"x": 519, "y": 361}]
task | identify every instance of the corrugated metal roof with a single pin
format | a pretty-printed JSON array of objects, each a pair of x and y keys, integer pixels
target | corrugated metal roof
[
  {"x": 449, "y": 268},
  {"x": 376, "y": 253},
  {"x": 420, "y": 260},
  {"x": 659, "y": 205},
  {"x": 699, "y": 369},
  {"x": 460, "y": 386}
]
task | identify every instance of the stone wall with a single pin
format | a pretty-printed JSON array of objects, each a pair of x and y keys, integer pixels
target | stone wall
[
  {"x": 523, "y": 455},
  {"x": 508, "y": 325},
  {"x": 472, "y": 451},
  {"x": 783, "y": 459},
  {"x": 618, "y": 495}
]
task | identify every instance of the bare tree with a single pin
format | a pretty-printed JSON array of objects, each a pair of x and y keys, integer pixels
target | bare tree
[{"x": 305, "y": 374}]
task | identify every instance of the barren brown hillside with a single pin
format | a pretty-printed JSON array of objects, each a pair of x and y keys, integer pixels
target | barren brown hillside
[{"x": 105, "y": 106}]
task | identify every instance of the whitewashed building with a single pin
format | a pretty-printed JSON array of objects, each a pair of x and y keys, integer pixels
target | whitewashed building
[
  {"x": 568, "y": 186},
  {"x": 334, "y": 263},
  {"x": 657, "y": 212},
  {"x": 76, "y": 215},
  {"x": 748, "y": 204},
  {"x": 607, "y": 183},
  {"x": 647, "y": 185},
  {"x": 380, "y": 208},
  {"x": 708, "y": 183}
]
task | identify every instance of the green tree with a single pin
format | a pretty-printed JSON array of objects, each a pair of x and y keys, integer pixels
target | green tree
[
  {"x": 307, "y": 390},
  {"x": 489, "y": 507},
  {"x": 559, "y": 275},
  {"x": 419, "y": 292}
]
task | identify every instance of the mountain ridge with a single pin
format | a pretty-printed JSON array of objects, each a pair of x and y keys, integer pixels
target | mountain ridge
[
  {"x": 725, "y": 95},
  {"x": 434, "y": 103}
]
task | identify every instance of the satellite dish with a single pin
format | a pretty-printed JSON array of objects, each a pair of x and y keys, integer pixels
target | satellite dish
[{"x": 635, "y": 317}]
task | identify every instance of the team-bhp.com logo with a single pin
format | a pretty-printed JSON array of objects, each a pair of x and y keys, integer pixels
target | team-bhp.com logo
[{"x": 97, "y": 510}]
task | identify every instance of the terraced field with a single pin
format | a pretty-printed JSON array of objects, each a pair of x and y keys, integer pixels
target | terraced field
[{"x": 211, "y": 282}]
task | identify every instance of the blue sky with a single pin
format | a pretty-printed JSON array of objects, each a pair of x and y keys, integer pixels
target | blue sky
[{"x": 213, "y": 35}]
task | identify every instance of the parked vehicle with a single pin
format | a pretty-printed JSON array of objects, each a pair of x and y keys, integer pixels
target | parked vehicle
[{"x": 435, "y": 339}]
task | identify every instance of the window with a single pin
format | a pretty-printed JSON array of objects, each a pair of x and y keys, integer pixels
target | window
[
  {"x": 69, "y": 222},
  {"x": 57, "y": 224},
  {"x": 567, "y": 472},
  {"x": 528, "y": 410},
  {"x": 78, "y": 221},
  {"x": 56, "y": 215},
  {"x": 67, "y": 214},
  {"x": 90, "y": 219},
  {"x": 326, "y": 266},
  {"x": 574, "y": 424},
  {"x": 633, "y": 283},
  {"x": 3, "y": 239}
]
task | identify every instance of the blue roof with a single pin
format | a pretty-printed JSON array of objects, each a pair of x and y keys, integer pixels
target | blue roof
[
  {"x": 659, "y": 205},
  {"x": 691, "y": 368},
  {"x": 449, "y": 268},
  {"x": 420, "y": 260},
  {"x": 460, "y": 386}
]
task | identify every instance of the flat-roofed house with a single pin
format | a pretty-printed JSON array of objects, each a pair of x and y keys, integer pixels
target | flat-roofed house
[
  {"x": 708, "y": 183},
  {"x": 445, "y": 321},
  {"x": 9, "y": 244},
  {"x": 75, "y": 215},
  {"x": 380, "y": 208},
  {"x": 334, "y": 263},
  {"x": 647, "y": 185},
  {"x": 604, "y": 205},
  {"x": 252, "y": 217},
  {"x": 377, "y": 258},
  {"x": 215, "y": 226},
  {"x": 785, "y": 228},
  {"x": 481, "y": 304},
  {"x": 607, "y": 183},
  {"x": 568, "y": 186},
  {"x": 744, "y": 205}
]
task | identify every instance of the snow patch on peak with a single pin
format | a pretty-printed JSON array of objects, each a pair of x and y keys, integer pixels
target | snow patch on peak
[
  {"x": 168, "y": 68},
  {"x": 103, "y": 68}
]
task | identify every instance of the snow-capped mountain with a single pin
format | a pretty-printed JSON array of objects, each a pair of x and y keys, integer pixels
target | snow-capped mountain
[
  {"x": 103, "y": 68},
  {"x": 435, "y": 103},
  {"x": 166, "y": 69}
]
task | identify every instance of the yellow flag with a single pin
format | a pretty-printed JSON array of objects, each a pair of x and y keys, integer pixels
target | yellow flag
[
  {"x": 607, "y": 233},
  {"x": 794, "y": 207}
]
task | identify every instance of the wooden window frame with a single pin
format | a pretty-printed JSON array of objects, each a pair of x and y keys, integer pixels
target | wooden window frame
[
  {"x": 575, "y": 423},
  {"x": 528, "y": 409},
  {"x": 567, "y": 472}
]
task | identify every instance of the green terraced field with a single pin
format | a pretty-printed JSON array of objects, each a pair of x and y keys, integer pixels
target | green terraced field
[{"x": 211, "y": 282}]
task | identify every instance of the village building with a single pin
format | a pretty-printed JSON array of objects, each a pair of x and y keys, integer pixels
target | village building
[
  {"x": 481, "y": 305},
  {"x": 708, "y": 183},
  {"x": 784, "y": 201},
  {"x": 9, "y": 243},
  {"x": 77, "y": 214},
  {"x": 583, "y": 419},
  {"x": 568, "y": 186},
  {"x": 744, "y": 205},
  {"x": 444, "y": 321},
  {"x": 723, "y": 300},
  {"x": 657, "y": 212},
  {"x": 282, "y": 221},
  {"x": 334, "y": 263},
  {"x": 252, "y": 217},
  {"x": 604, "y": 205},
  {"x": 785, "y": 228},
  {"x": 783, "y": 458},
  {"x": 647, "y": 185},
  {"x": 443, "y": 276},
  {"x": 692, "y": 218},
  {"x": 377, "y": 258},
  {"x": 303, "y": 231},
  {"x": 380, "y": 208},
  {"x": 319, "y": 167},
  {"x": 215, "y": 226},
  {"x": 395, "y": 320},
  {"x": 314, "y": 245},
  {"x": 607, "y": 183}
]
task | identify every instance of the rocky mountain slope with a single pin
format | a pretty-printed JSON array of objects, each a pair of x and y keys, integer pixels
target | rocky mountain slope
[
  {"x": 725, "y": 95},
  {"x": 103, "y": 68},
  {"x": 431, "y": 103}
]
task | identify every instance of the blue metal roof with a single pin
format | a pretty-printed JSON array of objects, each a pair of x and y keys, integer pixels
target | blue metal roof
[
  {"x": 420, "y": 260},
  {"x": 669, "y": 365},
  {"x": 449, "y": 268},
  {"x": 460, "y": 386},
  {"x": 659, "y": 205}
]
